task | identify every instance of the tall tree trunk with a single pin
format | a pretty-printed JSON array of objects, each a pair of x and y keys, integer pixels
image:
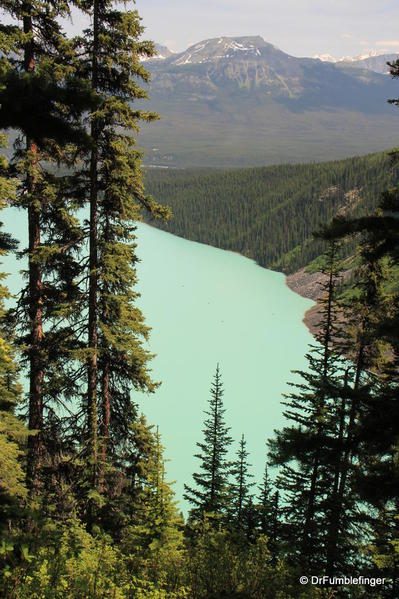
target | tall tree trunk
[
  {"x": 92, "y": 365},
  {"x": 35, "y": 442},
  {"x": 310, "y": 511},
  {"x": 334, "y": 493},
  {"x": 105, "y": 374},
  {"x": 214, "y": 449},
  {"x": 333, "y": 533},
  {"x": 106, "y": 417},
  {"x": 240, "y": 491}
]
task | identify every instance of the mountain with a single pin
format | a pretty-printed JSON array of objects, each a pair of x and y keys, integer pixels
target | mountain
[
  {"x": 326, "y": 58},
  {"x": 242, "y": 101},
  {"x": 162, "y": 53}
]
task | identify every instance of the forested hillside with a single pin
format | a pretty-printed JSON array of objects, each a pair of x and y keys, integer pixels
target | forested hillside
[{"x": 269, "y": 214}]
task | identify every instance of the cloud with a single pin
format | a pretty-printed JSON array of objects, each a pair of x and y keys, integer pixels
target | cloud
[{"x": 388, "y": 43}]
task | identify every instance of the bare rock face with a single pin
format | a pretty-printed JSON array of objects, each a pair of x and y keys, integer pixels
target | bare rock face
[
  {"x": 311, "y": 285},
  {"x": 307, "y": 284}
]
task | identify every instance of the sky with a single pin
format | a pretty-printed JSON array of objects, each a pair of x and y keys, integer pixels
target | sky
[{"x": 299, "y": 27}]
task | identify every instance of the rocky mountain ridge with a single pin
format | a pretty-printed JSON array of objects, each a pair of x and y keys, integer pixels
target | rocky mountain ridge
[{"x": 242, "y": 101}]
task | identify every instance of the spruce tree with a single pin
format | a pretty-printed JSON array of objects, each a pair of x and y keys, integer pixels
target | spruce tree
[
  {"x": 116, "y": 358},
  {"x": 268, "y": 513},
  {"x": 305, "y": 450},
  {"x": 367, "y": 460},
  {"x": 43, "y": 101},
  {"x": 13, "y": 433},
  {"x": 360, "y": 342},
  {"x": 241, "y": 486},
  {"x": 210, "y": 495}
]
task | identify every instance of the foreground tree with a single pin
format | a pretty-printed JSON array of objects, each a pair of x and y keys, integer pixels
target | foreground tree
[
  {"x": 116, "y": 359},
  {"x": 240, "y": 491},
  {"x": 40, "y": 98},
  {"x": 13, "y": 433},
  {"x": 305, "y": 450},
  {"x": 210, "y": 494}
]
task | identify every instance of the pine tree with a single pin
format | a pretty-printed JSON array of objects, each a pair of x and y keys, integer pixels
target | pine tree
[
  {"x": 268, "y": 513},
  {"x": 211, "y": 492},
  {"x": 141, "y": 512},
  {"x": 305, "y": 450},
  {"x": 42, "y": 100},
  {"x": 116, "y": 358},
  {"x": 240, "y": 487},
  {"x": 360, "y": 342},
  {"x": 13, "y": 433}
]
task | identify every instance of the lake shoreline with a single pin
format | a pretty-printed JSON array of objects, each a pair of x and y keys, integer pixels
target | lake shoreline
[{"x": 310, "y": 286}]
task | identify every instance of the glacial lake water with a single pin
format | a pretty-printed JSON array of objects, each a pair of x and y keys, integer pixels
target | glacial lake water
[{"x": 207, "y": 306}]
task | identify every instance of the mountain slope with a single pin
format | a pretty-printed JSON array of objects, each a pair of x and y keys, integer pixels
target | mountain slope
[
  {"x": 269, "y": 214},
  {"x": 241, "y": 101}
]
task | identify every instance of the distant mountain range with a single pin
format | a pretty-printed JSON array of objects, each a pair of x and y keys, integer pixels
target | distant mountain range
[
  {"x": 242, "y": 101},
  {"x": 372, "y": 61}
]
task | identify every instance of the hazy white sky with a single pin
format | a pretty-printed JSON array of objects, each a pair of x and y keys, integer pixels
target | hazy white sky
[{"x": 299, "y": 27}]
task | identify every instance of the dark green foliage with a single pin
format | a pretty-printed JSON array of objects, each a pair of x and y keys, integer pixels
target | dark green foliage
[
  {"x": 210, "y": 495},
  {"x": 269, "y": 214},
  {"x": 371, "y": 443},
  {"x": 43, "y": 99},
  {"x": 268, "y": 513},
  {"x": 309, "y": 450},
  {"x": 13, "y": 433},
  {"x": 37, "y": 105},
  {"x": 241, "y": 500},
  {"x": 111, "y": 184}
]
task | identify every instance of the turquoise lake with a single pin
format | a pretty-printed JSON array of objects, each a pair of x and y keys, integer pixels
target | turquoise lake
[{"x": 207, "y": 306}]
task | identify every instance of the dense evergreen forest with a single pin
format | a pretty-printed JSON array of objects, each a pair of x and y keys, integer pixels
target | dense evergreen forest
[
  {"x": 85, "y": 507},
  {"x": 269, "y": 214}
]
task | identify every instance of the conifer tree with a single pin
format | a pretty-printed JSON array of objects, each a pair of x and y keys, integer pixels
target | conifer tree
[
  {"x": 115, "y": 356},
  {"x": 143, "y": 517},
  {"x": 367, "y": 409},
  {"x": 305, "y": 450},
  {"x": 268, "y": 510},
  {"x": 241, "y": 485},
  {"x": 13, "y": 433},
  {"x": 42, "y": 100},
  {"x": 210, "y": 494},
  {"x": 360, "y": 341}
]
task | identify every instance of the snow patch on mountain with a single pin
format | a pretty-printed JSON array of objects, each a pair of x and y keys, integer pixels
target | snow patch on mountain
[{"x": 325, "y": 57}]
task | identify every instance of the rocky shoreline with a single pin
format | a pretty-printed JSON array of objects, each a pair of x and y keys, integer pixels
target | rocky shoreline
[{"x": 309, "y": 285}]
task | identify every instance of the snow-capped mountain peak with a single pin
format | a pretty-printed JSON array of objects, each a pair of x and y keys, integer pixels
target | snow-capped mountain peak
[
  {"x": 326, "y": 57},
  {"x": 162, "y": 53},
  {"x": 213, "y": 50}
]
